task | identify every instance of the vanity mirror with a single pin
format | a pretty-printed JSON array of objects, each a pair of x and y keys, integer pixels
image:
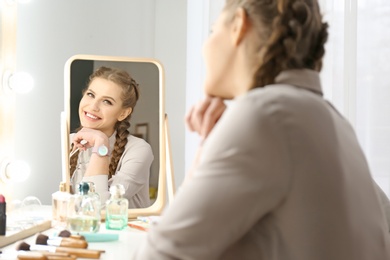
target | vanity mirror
[{"x": 147, "y": 120}]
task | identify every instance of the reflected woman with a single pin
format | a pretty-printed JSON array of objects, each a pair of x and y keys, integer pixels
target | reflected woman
[{"x": 111, "y": 155}]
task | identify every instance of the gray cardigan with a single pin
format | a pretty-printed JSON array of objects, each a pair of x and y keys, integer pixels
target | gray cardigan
[{"x": 282, "y": 176}]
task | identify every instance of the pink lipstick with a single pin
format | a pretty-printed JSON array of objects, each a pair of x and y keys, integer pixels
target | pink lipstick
[{"x": 3, "y": 217}]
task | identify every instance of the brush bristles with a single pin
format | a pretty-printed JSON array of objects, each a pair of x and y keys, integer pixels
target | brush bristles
[
  {"x": 64, "y": 233},
  {"x": 23, "y": 246},
  {"x": 41, "y": 239}
]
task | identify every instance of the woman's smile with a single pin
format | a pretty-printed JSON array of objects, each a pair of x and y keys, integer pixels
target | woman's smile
[{"x": 91, "y": 116}]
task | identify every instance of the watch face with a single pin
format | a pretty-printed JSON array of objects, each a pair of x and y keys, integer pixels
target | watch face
[{"x": 103, "y": 150}]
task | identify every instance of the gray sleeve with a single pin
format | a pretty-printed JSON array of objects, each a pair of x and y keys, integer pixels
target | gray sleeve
[
  {"x": 385, "y": 203},
  {"x": 239, "y": 179},
  {"x": 134, "y": 172}
]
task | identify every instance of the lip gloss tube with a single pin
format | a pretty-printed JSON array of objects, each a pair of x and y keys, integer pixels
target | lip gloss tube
[{"x": 3, "y": 217}]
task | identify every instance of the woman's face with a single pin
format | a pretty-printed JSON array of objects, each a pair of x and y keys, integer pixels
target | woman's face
[
  {"x": 218, "y": 54},
  {"x": 101, "y": 106}
]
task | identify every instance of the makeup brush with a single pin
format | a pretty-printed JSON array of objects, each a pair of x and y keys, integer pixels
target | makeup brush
[
  {"x": 79, "y": 252},
  {"x": 23, "y": 256},
  {"x": 66, "y": 233},
  {"x": 24, "y": 249},
  {"x": 91, "y": 237},
  {"x": 60, "y": 241},
  {"x": 29, "y": 255},
  {"x": 83, "y": 142}
]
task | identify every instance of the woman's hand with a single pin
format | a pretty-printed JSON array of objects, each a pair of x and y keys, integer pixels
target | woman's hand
[
  {"x": 202, "y": 117},
  {"x": 87, "y": 137}
]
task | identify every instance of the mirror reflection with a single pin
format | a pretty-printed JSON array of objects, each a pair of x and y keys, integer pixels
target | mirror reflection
[{"x": 114, "y": 119}]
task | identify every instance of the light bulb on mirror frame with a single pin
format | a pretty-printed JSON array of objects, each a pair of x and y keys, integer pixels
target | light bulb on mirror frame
[
  {"x": 18, "y": 82},
  {"x": 12, "y": 171}
]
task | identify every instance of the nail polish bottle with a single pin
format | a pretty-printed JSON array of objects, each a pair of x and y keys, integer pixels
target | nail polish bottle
[
  {"x": 3, "y": 217},
  {"x": 116, "y": 208},
  {"x": 84, "y": 210},
  {"x": 60, "y": 200}
]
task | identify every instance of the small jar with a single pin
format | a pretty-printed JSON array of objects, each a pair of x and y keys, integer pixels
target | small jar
[
  {"x": 84, "y": 210},
  {"x": 116, "y": 208}
]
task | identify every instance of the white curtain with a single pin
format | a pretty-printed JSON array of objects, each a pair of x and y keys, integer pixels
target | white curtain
[{"x": 356, "y": 75}]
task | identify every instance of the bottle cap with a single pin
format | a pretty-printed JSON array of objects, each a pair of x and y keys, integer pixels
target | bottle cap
[
  {"x": 62, "y": 187},
  {"x": 83, "y": 188},
  {"x": 2, "y": 205},
  {"x": 91, "y": 186},
  {"x": 117, "y": 189}
]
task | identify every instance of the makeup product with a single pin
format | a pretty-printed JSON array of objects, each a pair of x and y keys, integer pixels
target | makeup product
[
  {"x": 30, "y": 255},
  {"x": 83, "y": 142},
  {"x": 60, "y": 241},
  {"x": 79, "y": 252},
  {"x": 90, "y": 237},
  {"x": 3, "y": 216},
  {"x": 83, "y": 211},
  {"x": 138, "y": 224},
  {"x": 100, "y": 237},
  {"x": 116, "y": 208},
  {"x": 36, "y": 255},
  {"x": 60, "y": 201},
  {"x": 66, "y": 233}
]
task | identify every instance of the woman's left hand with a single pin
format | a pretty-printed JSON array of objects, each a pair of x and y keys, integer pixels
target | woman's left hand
[{"x": 88, "y": 137}]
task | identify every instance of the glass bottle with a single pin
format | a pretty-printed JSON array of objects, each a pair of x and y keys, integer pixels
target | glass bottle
[
  {"x": 116, "y": 208},
  {"x": 60, "y": 201},
  {"x": 84, "y": 210}
]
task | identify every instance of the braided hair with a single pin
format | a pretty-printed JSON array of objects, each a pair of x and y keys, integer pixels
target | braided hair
[
  {"x": 291, "y": 33},
  {"x": 130, "y": 96}
]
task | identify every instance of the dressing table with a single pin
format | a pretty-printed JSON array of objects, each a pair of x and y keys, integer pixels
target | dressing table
[{"x": 123, "y": 248}]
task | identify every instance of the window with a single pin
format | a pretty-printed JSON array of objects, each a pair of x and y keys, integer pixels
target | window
[{"x": 356, "y": 75}]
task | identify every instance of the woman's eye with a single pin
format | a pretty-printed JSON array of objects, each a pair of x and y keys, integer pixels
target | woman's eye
[
  {"x": 108, "y": 102},
  {"x": 89, "y": 94}
]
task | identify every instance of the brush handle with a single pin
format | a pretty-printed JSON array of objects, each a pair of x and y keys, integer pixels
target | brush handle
[
  {"x": 80, "y": 252},
  {"x": 26, "y": 255},
  {"x": 67, "y": 242},
  {"x": 48, "y": 254},
  {"x": 61, "y": 257},
  {"x": 77, "y": 237},
  {"x": 76, "y": 243},
  {"x": 58, "y": 256}
]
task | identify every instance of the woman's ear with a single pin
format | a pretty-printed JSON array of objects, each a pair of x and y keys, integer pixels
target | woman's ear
[
  {"x": 240, "y": 25},
  {"x": 125, "y": 113}
]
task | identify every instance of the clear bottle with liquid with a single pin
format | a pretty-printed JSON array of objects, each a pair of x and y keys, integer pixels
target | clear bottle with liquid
[
  {"x": 60, "y": 200},
  {"x": 116, "y": 208},
  {"x": 84, "y": 210}
]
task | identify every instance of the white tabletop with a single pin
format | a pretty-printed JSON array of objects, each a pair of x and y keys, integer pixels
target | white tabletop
[{"x": 129, "y": 240}]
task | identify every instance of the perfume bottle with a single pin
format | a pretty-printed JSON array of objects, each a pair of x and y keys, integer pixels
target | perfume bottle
[
  {"x": 84, "y": 210},
  {"x": 60, "y": 201},
  {"x": 116, "y": 208}
]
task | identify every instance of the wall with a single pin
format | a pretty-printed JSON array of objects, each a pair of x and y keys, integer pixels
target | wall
[
  {"x": 49, "y": 32},
  {"x": 170, "y": 49},
  {"x": 201, "y": 14}
]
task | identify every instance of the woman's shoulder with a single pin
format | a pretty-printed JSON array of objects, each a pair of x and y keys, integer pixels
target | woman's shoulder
[{"x": 134, "y": 141}]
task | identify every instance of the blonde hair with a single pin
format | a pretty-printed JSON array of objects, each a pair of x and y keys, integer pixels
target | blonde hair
[{"x": 290, "y": 34}]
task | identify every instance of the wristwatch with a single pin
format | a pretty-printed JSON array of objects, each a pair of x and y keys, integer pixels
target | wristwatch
[{"x": 101, "y": 150}]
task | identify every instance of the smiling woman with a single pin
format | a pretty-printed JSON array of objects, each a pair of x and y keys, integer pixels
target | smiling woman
[
  {"x": 110, "y": 154},
  {"x": 101, "y": 95}
]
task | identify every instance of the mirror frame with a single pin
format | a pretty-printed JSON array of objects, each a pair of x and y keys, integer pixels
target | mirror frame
[{"x": 161, "y": 200}]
